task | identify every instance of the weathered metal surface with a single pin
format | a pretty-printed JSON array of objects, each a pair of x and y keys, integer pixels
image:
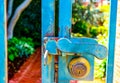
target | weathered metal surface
[
  {"x": 83, "y": 45},
  {"x": 48, "y": 18},
  {"x": 97, "y": 50},
  {"x": 2, "y": 43},
  {"x": 65, "y": 16},
  {"x": 64, "y": 73},
  {"x": 83, "y": 40},
  {"x": 51, "y": 46},
  {"x": 86, "y": 47},
  {"x": 47, "y": 30},
  {"x": 112, "y": 36},
  {"x": 50, "y": 43},
  {"x": 64, "y": 45}
]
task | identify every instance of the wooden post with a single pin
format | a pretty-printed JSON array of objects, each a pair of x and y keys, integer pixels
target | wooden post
[{"x": 3, "y": 52}]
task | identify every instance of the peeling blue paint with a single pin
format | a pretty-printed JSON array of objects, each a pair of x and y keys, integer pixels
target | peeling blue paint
[
  {"x": 97, "y": 50},
  {"x": 51, "y": 46},
  {"x": 47, "y": 30},
  {"x": 65, "y": 16},
  {"x": 68, "y": 46}
]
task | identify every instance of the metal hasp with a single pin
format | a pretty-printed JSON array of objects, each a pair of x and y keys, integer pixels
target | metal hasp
[
  {"x": 3, "y": 56},
  {"x": 76, "y": 55}
]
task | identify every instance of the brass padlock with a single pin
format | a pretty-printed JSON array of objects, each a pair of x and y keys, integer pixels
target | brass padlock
[{"x": 79, "y": 67}]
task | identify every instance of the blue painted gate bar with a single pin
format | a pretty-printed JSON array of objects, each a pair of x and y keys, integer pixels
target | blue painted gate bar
[
  {"x": 65, "y": 15},
  {"x": 47, "y": 30},
  {"x": 112, "y": 36},
  {"x": 3, "y": 57}
]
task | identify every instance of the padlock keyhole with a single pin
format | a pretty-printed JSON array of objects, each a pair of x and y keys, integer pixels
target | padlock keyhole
[{"x": 79, "y": 67}]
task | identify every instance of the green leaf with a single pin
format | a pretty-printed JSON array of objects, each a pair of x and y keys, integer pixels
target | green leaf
[
  {"x": 11, "y": 57},
  {"x": 16, "y": 54}
]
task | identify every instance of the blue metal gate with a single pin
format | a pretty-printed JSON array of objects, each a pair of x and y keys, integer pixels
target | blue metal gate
[
  {"x": 72, "y": 53},
  {"x": 75, "y": 56}
]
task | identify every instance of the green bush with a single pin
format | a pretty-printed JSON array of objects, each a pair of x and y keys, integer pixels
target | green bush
[
  {"x": 20, "y": 47},
  {"x": 29, "y": 23},
  {"x": 92, "y": 22},
  {"x": 87, "y": 20},
  {"x": 80, "y": 27}
]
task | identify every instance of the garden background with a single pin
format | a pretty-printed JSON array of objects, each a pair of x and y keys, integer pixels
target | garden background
[{"x": 87, "y": 21}]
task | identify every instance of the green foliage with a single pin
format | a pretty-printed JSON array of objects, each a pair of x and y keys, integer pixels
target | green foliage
[
  {"x": 92, "y": 22},
  {"x": 102, "y": 39},
  {"x": 87, "y": 20},
  {"x": 100, "y": 68},
  {"x": 29, "y": 22},
  {"x": 80, "y": 27},
  {"x": 20, "y": 47},
  {"x": 95, "y": 31},
  {"x": 82, "y": 13}
]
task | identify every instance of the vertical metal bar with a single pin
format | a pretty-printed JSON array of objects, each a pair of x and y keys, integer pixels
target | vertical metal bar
[
  {"x": 112, "y": 36},
  {"x": 48, "y": 9},
  {"x": 3, "y": 57},
  {"x": 65, "y": 16}
]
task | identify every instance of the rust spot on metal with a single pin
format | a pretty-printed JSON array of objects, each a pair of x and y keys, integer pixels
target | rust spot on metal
[
  {"x": 50, "y": 31},
  {"x": 67, "y": 56},
  {"x": 56, "y": 69},
  {"x": 56, "y": 39},
  {"x": 49, "y": 34},
  {"x": 49, "y": 59}
]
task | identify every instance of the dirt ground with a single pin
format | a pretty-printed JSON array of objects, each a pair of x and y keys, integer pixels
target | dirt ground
[{"x": 30, "y": 71}]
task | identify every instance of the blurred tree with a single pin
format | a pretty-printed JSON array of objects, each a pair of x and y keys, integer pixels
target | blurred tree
[
  {"x": 13, "y": 16},
  {"x": 29, "y": 23},
  {"x": 84, "y": 18}
]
